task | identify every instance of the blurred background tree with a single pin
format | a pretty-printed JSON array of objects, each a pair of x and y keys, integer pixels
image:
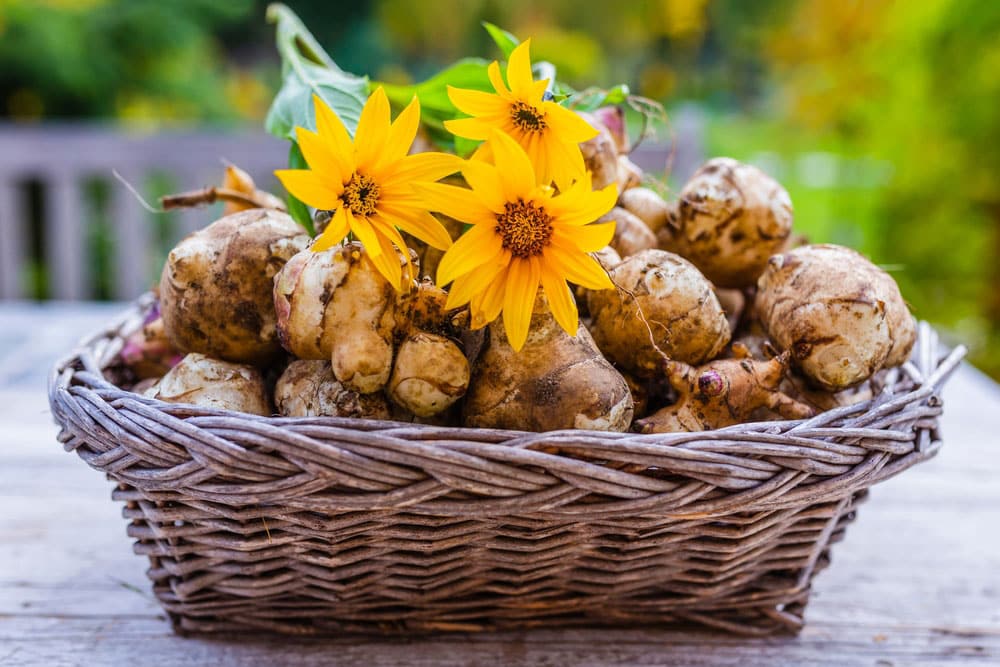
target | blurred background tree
[{"x": 878, "y": 116}]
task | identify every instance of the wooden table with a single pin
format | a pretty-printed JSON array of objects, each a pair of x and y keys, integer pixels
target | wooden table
[{"x": 916, "y": 582}]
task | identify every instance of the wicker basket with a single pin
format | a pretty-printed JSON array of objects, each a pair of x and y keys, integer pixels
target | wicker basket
[{"x": 333, "y": 525}]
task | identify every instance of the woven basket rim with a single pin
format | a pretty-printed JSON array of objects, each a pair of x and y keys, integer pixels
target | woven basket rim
[{"x": 739, "y": 459}]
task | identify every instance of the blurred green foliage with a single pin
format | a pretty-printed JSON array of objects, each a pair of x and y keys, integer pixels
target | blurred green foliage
[
  {"x": 880, "y": 117},
  {"x": 137, "y": 60}
]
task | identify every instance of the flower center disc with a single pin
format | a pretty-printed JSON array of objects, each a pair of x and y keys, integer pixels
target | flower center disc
[
  {"x": 525, "y": 229},
  {"x": 360, "y": 194},
  {"x": 527, "y": 118}
]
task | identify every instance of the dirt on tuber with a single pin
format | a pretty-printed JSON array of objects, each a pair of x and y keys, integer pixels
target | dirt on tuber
[
  {"x": 722, "y": 393},
  {"x": 556, "y": 381},
  {"x": 335, "y": 305},
  {"x": 841, "y": 317},
  {"x": 308, "y": 388},
  {"x": 663, "y": 309},
  {"x": 429, "y": 374},
  {"x": 212, "y": 383},
  {"x": 731, "y": 218},
  {"x": 215, "y": 289}
]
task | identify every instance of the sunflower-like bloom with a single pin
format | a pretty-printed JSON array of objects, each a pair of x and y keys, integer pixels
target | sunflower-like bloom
[
  {"x": 523, "y": 235},
  {"x": 549, "y": 133},
  {"x": 368, "y": 183}
]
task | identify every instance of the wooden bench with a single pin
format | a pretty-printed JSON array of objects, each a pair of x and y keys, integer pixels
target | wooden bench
[{"x": 45, "y": 172}]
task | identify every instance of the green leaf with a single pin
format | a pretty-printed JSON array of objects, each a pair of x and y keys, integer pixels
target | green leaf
[
  {"x": 464, "y": 147},
  {"x": 594, "y": 98},
  {"x": 506, "y": 41},
  {"x": 299, "y": 211},
  {"x": 308, "y": 70},
  {"x": 433, "y": 93},
  {"x": 435, "y": 106}
]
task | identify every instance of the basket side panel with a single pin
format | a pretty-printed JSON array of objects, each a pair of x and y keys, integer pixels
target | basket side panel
[{"x": 216, "y": 568}]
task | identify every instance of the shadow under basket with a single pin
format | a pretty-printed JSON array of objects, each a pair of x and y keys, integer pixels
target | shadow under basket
[{"x": 331, "y": 525}]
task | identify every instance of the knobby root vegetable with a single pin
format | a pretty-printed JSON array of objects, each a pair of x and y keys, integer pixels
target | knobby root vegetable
[
  {"x": 430, "y": 373},
  {"x": 731, "y": 218},
  {"x": 630, "y": 175},
  {"x": 663, "y": 308},
  {"x": 632, "y": 235},
  {"x": 722, "y": 393},
  {"x": 423, "y": 308},
  {"x": 646, "y": 205},
  {"x": 147, "y": 351},
  {"x": 841, "y": 317},
  {"x": 556, "y": 381},
  {"x": 212, "y": 383},
  {"x": 308, "y": 388},
  {"x": 608, "y": 257},
  {"x": 733, "y": 302},
  {"x": 613, "y": 118},
  {"x": 336, "y": 305},
  {"x": 600, "y": 154},
  {"x": 215, "y": 289}
]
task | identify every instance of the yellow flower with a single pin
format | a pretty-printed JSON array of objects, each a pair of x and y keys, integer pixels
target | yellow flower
[
  {"x": 549, "y": 133},
  {"x": 522, "y": 235},
  {"x": 368, "y": 184}
]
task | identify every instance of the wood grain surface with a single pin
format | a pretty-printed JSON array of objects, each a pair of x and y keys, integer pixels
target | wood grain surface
[{"x": 916, "y": 581}]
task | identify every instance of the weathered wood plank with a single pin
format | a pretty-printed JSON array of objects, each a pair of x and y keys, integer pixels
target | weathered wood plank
[
  {"x": 13, "y": 249},
  {"x": 128, "y": 641},
  {"x": 65, "y": 248},
  {"x": 132, "y": 238}
]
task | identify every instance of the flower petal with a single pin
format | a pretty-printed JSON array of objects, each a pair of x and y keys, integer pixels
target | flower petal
[
  {"x": 334, "y": 233},
  {"x": 517, "y": 175},
  {"x": 394, "y": 249},
  {"x": 469, "y": 128},
  {"x": 572, "y": 209},
  {"x": 535, "y": 147},
  {"x": 567, "y": 124},
  {"x": 576, "y": 267},
  {"x": 373, "y": 130},
  {"x": 477, "y": 102},
  {"x": 565, "y": 161},
  {"x": 419, "y": 223},
  {"x": 474, "y": 283},
  {"x": 455, "y": 202},
  {"x": 401, "y": 133},
  {"x": 561, "y": 301},
  {"x": 537, "y": 94},
  {"x": 588, "y": 238},
  {"x": 519, "y": 70},
  {"x": 331, "y": 129},
  {"x": 485, "y": 181},
  {"x": 474, "y": 248},
  {"x": 319, "y": 156},
  {"x": 497, "y": 80},
  {"x": 310, "y": 188},
  {"x": 486, "y": 306},
  {"x": 428, "y": 166},
  {"x": 519, "y": 300},
  {"x": 363, "y": 230},
  {"x": 387, "y": 262}
]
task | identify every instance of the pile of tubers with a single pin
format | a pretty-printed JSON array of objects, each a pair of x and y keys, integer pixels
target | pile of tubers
[{"x": 715, "y": 320}]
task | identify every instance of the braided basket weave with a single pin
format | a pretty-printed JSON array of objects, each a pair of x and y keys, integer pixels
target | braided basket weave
[{"x": 328, "y": 525}]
